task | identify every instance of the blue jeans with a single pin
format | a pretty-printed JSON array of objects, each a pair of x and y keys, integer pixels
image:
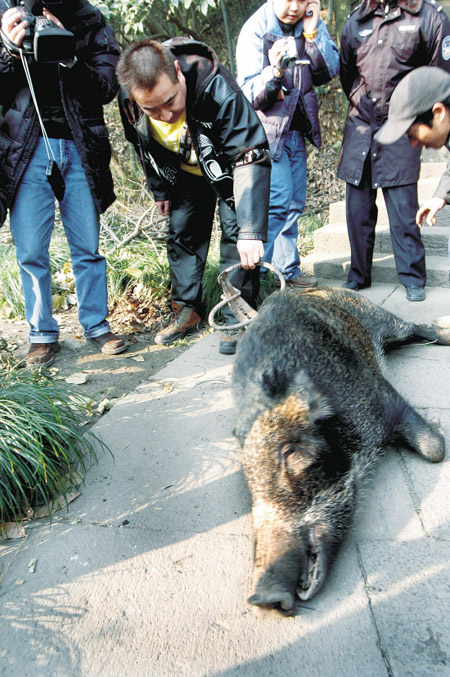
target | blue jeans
[
  {"x": 287, "y": 201},
  {"x": 31, "y": 221}
]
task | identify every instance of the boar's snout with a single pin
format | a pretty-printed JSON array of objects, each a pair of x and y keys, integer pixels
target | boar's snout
[{"x": 284, "y": 571}]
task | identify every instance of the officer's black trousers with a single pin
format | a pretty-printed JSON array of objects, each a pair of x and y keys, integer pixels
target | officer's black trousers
[{"x": 402, "y": 205}]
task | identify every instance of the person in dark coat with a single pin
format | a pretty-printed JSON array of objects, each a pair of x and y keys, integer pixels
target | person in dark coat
[
  {"x": 420, "y": 108},
  {"x": 380, "y": 43},
  {"x": 72, "y": 142},
  {"x": 198, "y": 138}
]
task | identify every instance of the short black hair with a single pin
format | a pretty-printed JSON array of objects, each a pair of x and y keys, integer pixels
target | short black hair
[
  {"x": 142, "y": 63},
  {"x": 426, "y": 118}
]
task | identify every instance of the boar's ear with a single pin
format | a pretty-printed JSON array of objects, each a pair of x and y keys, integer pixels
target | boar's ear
[{"x": 318, "y": 404}]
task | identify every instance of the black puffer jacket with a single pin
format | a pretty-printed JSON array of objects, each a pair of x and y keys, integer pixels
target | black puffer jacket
[
  {"x": 229, "y": 140},
  {"x": 378, "y": 49},
  {"x": 85, "y": 88}
]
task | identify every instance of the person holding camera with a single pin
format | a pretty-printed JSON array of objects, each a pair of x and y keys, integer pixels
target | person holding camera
[
  {"x": 57, "y": 70},
  {"x": 381, "y": 43},
  {"x": 283, "y": 52}
]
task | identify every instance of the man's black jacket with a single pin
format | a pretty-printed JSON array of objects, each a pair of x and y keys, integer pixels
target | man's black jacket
[
  {"x": 228, "y": 138},
  {"x": 84, "y": 88}
]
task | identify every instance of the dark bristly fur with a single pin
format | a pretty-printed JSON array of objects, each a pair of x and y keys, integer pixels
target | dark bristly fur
[{"x": 315, "y": 413}]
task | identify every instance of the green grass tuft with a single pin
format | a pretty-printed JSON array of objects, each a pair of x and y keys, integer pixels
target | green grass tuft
[{"x": 43, "y": 443}]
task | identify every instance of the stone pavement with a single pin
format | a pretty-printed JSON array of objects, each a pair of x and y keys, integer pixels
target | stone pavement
[{"x": 147, "y": 573}]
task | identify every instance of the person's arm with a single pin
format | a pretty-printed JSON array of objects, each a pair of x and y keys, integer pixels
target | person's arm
[
  {"x": 348, "y": 70},
  {"x": 433, "y": 32},
  {"x": 243, "y": 144},
  {"x": 259, "y": 80},
  {"x": 94, "y": 73},
  {"x": 13, "y": 26},
  {"x": 439, "y": 200},
  {"x": 322, "y": 53}
]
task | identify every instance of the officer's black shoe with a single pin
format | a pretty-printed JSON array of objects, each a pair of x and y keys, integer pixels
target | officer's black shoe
[
  {"x": 414, "y": 293},
  {"x": 354, "y": 286}
]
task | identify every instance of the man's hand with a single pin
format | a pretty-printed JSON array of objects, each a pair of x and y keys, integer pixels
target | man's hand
[
  {"x": 251, "y": 252},
  {"x": 311, "y": 16},
  {"x": 429, "y": 209},
  {"x": 14, "y": 25},
  {"x": 48, "y": 15},
  {"x": 275, "y": 55},
  {"x": 163, "y": 207}
]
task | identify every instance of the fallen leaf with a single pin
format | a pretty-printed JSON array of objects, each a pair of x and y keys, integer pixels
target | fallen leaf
[
  {"x": 32, "y": 566},
  {"x": 11, "y": 530},
  {"x": 78, "y": 378},
  {"x": 54, "y": 506}
]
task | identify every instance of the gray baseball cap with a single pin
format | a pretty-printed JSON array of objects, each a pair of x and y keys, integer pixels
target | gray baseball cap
[{"x": 417, "y": 93}]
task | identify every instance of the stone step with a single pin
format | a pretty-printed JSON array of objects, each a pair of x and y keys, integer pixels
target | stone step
[
  {"x": 333, "y": 239},
  {"x": 433, "y": 170},
  {"x": 336, "y": 267},
  {"x": 331, "y": 256}
]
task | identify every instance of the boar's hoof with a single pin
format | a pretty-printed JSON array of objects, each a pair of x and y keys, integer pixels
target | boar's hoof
[{"x": 279, "y": 600}]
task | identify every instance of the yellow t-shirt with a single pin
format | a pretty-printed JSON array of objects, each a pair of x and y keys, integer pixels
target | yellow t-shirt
[{"x": 177, "y": 139}]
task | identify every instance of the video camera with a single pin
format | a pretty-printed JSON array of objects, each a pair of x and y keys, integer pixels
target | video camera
[
  {"x": 290, "y": 55},
  {"x": 44, "y": 40}
]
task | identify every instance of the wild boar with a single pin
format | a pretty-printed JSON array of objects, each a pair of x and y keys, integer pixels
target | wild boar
[{"x": 315, "y": 413}]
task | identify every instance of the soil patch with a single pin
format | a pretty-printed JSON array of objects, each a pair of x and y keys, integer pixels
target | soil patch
[{"x": 107, "y": 377}]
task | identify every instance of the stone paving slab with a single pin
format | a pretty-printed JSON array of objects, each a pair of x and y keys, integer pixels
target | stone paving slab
[{"x": 148, "y": 572}]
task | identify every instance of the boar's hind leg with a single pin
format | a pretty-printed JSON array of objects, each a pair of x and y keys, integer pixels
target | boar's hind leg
[
  {"x": 421, "y": 436},
  {"x": 436, "y": 334}
]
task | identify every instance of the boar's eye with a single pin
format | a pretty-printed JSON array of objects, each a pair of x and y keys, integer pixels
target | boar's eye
[{"x": 296, "y": 458}]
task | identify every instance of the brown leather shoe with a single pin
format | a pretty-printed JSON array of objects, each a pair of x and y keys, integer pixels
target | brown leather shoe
[
  {"x": 302, "y": 282},
  {"x": 109, "y": 343},
  {"x": 42, "y": 354},
  {"x": 185, "y": 321}
]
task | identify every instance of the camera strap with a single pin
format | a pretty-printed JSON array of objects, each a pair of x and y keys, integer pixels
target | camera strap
[{"x": 52, "y": 172}]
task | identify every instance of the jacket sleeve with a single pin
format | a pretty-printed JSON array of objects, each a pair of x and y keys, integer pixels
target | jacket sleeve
[
  {"x": 95, "y": 69},
  {"x": 323, "y": 55},
  {"x": 348, "y": 71},
  {"x": 244, "y": 145},
  {"x": 435, "y": 31},
  {"x": 254, "y": 76}
]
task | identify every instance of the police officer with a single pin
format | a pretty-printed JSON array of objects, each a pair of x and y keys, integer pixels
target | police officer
[{"x": 380, "y": 43}]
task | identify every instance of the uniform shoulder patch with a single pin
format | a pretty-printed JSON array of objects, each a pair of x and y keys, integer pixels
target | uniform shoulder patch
[{"x": 446, "y": 48}]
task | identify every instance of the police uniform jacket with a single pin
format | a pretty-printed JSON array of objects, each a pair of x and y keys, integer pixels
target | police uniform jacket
[
  {"x": 229, "y": 141},
  {"x": 84, "y": 89},
  {"x": 380, "y": 44}
]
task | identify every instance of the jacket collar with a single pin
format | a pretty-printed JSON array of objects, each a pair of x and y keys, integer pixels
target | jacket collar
[{"x": 369, "y": 6}]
